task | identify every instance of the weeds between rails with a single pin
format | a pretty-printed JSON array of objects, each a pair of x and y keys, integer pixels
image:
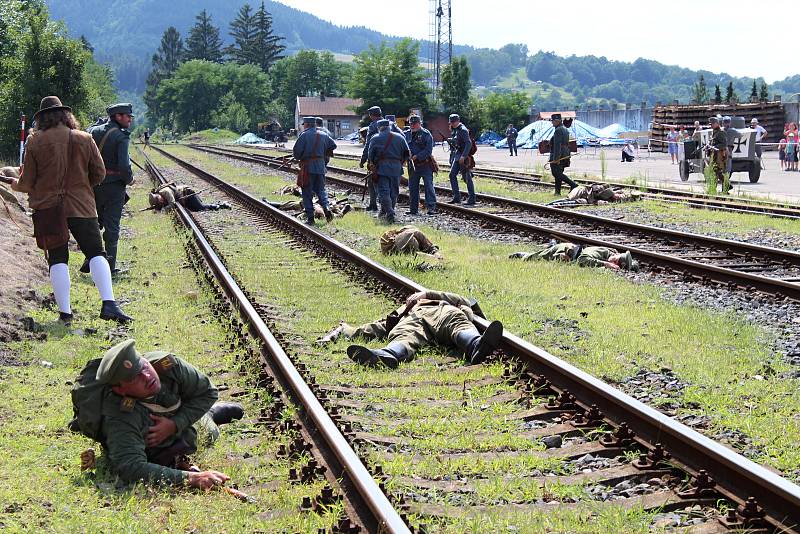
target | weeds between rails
[{"x": 306, "y": 311}]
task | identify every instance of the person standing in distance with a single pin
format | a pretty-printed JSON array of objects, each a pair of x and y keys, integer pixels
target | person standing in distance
[
  {"x": 420, "y": 143},
  {"x": 511, "y": 138},
  {"x": 113, "y": 140},
  {"x": 460, "y": 146},
  {"x": 559, "y": 153}
]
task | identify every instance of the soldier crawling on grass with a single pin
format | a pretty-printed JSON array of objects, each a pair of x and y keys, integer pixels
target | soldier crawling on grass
[
  {"x": 406, "y": 240},
  {"x": 427, "y": 317},
  {"x": 142, "y": 408},
  {"x": 169, "y": 194},
  {"x": 584, "y": 256}
]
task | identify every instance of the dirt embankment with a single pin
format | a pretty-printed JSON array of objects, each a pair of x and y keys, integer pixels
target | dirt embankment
[{"x": 23, "y": 268}]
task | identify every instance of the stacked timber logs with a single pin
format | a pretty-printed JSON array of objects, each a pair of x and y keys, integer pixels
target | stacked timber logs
[{"x": 770, "y": 115}]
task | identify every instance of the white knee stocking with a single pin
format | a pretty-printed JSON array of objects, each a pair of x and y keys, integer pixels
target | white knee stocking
[
  {"x": 59, "y": 277},
  {"x": 101, "y": 276}
]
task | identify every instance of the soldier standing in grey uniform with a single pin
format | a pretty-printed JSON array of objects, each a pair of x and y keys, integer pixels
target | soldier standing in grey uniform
[
  {"x": 460, "y": 146},
  {"x": 321, "y": 126},
  {"x": 112, "y": 139},
  {"x": 731, "y": 135},
  {"x": 559, "y": 153},
  {"x": 388, "y": 151},
  {"x": 375, "y": 114},
  {"x": 420, "y": 142},
  {"x": 313, "y": 148},
  {"x": 511, "y": 137}
]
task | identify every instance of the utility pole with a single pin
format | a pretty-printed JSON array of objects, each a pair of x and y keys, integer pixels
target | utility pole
[{"x": 440, "y": 52}]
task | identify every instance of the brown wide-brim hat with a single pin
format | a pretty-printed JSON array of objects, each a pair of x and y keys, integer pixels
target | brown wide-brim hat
[{"x": 50, "y": 103}]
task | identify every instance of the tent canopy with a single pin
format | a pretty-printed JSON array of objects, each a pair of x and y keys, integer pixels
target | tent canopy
[
  {"x": 530, "y": 135},
  {"x": 613, "y": 130}
]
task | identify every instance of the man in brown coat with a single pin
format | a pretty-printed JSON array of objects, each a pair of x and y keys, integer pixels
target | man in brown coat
[{"x": 62, "y": 164}]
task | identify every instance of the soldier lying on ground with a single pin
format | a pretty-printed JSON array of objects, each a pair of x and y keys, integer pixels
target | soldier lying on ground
[
  {"x": 142, "y": 408},
  {"x": 406, "y": 240},
  {"x": 427, "y": 317},
  {"x": 594, "y": 194},
  {"x": 168, "y": 194},
  {"x": 585, "y": 256},
  {"x": 337, "y": 208}
]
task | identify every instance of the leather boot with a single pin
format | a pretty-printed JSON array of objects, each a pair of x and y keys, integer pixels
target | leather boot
[
  {"x": 372, "y": 357},
  {"x": 112, "y": 312},
  {"x": 477, "y": 347},
  {"x": 85, "y": 266},
  {"x": 223, "y": 413},
  {"x": 328, "y": 215},
  {"x": 65, "y": 318}
]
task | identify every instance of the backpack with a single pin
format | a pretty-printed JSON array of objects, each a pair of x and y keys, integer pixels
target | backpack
[
  {"x": 87, "y": 402},
  {"x": 470, "y": 160}
]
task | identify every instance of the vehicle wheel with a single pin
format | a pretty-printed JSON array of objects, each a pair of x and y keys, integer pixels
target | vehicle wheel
[
  {"x": 683, "y": 169},
  {"x": 755, "y": 171}
]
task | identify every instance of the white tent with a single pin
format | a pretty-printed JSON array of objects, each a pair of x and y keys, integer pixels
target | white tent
[{"x": 530, "y": 135}]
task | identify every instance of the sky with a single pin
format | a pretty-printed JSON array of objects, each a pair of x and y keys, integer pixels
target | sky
[{"x": 621, "y": 31}]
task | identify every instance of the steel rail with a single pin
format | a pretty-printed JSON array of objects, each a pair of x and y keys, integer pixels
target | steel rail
[
  {"x": 377, "y": 513},
  {"x": 734, "y": 476},
  {"x": 731, "y": 277}
]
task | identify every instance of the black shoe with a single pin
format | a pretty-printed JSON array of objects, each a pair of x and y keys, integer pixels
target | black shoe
[
  {"x": 347, "y": 208},
  {"x": 454, "y": 201},
  {"x": 328, "y": 215},
  {"x": 223, "y": 413},
  {"x": 85, "y": 266},
  {"x": 409, "y": 212},
  {"x": 372, "y": 208},
  {"x": 371, "y": 357},
  {"x": 65, "y": 318},
  {"x": 112, "y": 312},
  {"x": 487, "y": 342}
]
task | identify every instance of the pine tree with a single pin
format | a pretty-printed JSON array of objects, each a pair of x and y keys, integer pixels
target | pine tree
[
  {"x": 754, "y": 92},
  {"x": 717, "y": 94},
  {"x": 86, "y": 44},
  {"x": 267, "y": 47},
  {"x": 244, "y": 32},
  {"x": 204, "y": 41},
  {"x": 730, "y": 94},
  {"x": 164, "y": 63},
  {"x": 701, "y": 91},
  {"x": 763, "y": 94},
  {"x": 456, "y": 84}
]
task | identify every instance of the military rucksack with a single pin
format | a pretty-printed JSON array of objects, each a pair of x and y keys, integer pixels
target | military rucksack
[{"x": 87, "y": 402}]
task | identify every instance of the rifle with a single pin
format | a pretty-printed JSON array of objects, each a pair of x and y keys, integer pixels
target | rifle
[{"x": 134, "y": 162}]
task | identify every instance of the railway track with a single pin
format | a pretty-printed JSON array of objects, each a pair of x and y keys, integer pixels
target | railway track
[
  {"x": 529, "y": 397},
  {"x": 705, "y": 259},
  {"x": 661, "y": 194}
]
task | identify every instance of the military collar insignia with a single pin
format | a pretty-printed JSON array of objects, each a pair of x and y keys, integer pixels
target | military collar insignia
[
  {"x": 127, "y": 404},
  {"x": 164, "y": 364}
]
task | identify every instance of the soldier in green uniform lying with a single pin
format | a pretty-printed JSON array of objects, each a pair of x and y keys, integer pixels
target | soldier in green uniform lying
[
  {"x": 142, "y": 408},
  {"x": 427, "y": 317},
  {"x": 584, "y": 256}
]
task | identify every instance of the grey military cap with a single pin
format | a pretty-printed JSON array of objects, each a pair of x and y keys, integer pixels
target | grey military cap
[
  {"x": 375, "y": 111},
  {"x": 122, "y": 107}
]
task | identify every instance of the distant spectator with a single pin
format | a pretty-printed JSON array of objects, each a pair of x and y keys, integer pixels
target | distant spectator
[
  {"x": 627, "y": 152},
  {"x": 782, "y": 153},
  {"x": 683, "y": 135},
  {"x": 672, "y": 145},
  {"x": 511, "y": 137},
  {"x": 791, "y": 151},
  {"x": 761, "y": 133}
]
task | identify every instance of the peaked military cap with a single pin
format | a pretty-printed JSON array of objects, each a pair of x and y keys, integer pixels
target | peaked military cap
[
  {"x": 319, "y": 121},
  {"x": 454, "y": 117},
  {"x": 383, "y": 123},
  {"x": 121, "y": 363},
  {"x": 123, "y": 107},
  {"x": 713, "y": 119},
  {"x": 555, "y": 117},
  {"x": 375, "y": 110},
  {"x": 414, "y": 119},
  {"x": 309, "y": 120},
  {"x": 627, "y": 262}
]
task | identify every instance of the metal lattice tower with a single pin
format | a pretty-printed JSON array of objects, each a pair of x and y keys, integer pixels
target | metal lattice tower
[{"x": 440, "y": 45}]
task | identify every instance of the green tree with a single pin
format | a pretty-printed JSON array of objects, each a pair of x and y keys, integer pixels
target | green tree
[
  {"x": 244, "y": 32},
  {"x": 390, "y": 77},
  {"x": 267, "y": 46},
  {"x": 454, "y": 94},
  {"x": 501, "y": 109},
  {"x": 200, "y": 93},
  {"x": 309, "y": 73},
  {"x": 763, "y": 94},
  {"x": 717, "y": 94},
  {"x": 730, "y": 93},
  {"x": 37, "y": 59},
  {"x": 204, "y": 41},
  {"x": 164, "y": 63},
  {"x": 754, "y": 92},
  {"x": 701, "y": 91}
]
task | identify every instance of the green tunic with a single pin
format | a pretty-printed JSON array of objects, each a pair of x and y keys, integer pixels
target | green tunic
[
  {"x": 125, "y": 430},
  {"x": 595, "y": 256},
  {"x": 436, "y": 318},
  {"x": 719, "y": 139}
]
